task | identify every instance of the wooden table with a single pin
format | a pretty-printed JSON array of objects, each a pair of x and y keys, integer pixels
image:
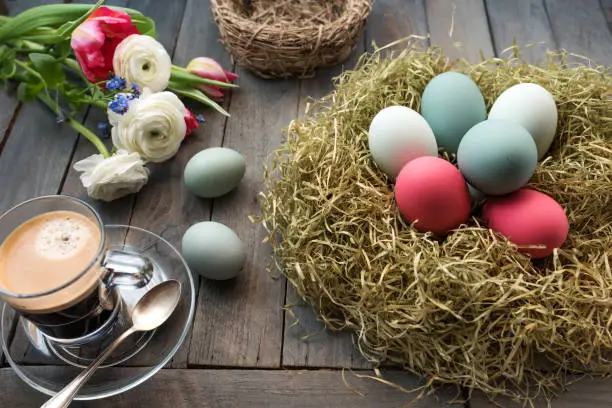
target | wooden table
[{"x": 243, "y": 350}]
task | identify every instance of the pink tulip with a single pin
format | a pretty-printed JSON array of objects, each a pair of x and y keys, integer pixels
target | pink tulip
[
  {"x": 95, "y": 40},
  {"x": 208, "y": 68}
]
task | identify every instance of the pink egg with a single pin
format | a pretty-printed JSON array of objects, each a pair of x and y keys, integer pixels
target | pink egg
[
  {"x": 431, "y": 193},
  {"x": 528, "y": 217}
]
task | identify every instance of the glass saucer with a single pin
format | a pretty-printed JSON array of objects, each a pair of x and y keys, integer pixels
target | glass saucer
[{"x": 48, "y": 366}]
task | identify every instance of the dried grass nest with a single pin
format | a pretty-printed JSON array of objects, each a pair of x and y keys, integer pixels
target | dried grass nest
[
  {"x": 284, "y": 38},
  {"x": 468, "y": 309}
]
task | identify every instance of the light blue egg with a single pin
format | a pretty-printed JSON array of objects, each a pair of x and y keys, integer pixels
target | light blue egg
[
  {"x": 497, "y": 156},
  {"x": 452, "y": 104},
  {"x": 214, "y": 172},
  {"x": 213, "y": 250}
]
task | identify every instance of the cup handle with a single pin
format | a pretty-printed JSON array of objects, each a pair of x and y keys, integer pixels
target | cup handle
[{"x": 126, "y": 269}]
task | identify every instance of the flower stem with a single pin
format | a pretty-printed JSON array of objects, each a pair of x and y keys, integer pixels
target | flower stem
[{"x": 76, "y": 125}]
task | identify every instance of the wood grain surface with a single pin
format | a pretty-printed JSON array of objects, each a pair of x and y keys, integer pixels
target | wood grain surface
[
  {"x": 241, "y": 388},
  {"x": 460, "y": 28},
  {"x": 243, "y": 350},
  {"x": 524, "y": 22},
  {"x": 580, "y": 26}
]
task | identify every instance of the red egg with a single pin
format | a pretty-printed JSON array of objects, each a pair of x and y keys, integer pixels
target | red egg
[
  {"x": 431, "y": 193},
  {"x": 528, "y": 218}
]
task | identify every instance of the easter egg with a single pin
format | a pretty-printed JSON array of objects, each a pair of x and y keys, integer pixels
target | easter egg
[
  {"x": 398, "y": 135},
  {"x": 527, "y": 218},
  {"x": 213, "y": 250},
  {"x": 476, "y": 196},
  {"x": 214, "y": 172},
  {"x": 431, "y": 193},
  {"x": 497, "y": 156},
  {"x": 532, "y": 107},
  {"x": 452, "y": 104}
]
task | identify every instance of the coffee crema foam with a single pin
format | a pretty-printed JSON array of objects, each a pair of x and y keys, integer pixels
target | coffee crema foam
[
  {"x": 61, "y": 238},
  {"x": 46, "y": 252}
]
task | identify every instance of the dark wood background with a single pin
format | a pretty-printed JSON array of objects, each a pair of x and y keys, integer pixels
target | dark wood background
[{"x": 243, "y": 349}]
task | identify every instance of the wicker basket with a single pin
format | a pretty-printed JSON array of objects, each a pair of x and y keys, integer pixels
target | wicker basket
[{"x": 285, "y": 38}]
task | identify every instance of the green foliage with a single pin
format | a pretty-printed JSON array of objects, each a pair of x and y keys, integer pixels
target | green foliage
[
  {"x": 28, "y": 91},
  {"x": 49, "y": 69},
  {"x": 7, "y": 62}
]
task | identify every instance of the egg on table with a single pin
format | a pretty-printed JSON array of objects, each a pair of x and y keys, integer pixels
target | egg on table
[
  {"x": 532, "y": 107},
  {"x": 528, "y": 218},
  {"x": 431, "y": 193},
  {"x": 214, "y": 172},
  {"x": 452, "y": 104},
  {"x": 398, "y": 135},
  {"x": 497, "y": 156},
  {"x": 213, "y": 250}
]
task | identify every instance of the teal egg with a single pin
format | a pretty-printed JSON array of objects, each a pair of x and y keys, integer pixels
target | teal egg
[
  {"x": 452, "y": 104},
  {"x": 213, "y": 250},
  {"x": 497, "y": 156},
  {"x": 214, "y": 172},
  {"x": 477, "y": 197}
]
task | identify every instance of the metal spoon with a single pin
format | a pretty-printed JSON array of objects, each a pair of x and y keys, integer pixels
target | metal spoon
[{"x": 151, "y": 311}]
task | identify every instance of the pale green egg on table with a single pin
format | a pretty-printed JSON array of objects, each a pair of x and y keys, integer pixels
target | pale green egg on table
[
  {"x": 452, "y": 104},
  {"x": 213, "y": 250},
  {"x": 214, "y": 172}
]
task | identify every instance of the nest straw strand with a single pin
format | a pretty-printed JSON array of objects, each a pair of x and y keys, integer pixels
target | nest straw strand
[
  {"x": 470, "y": 309},
  {"x": 284, "y": 38}
]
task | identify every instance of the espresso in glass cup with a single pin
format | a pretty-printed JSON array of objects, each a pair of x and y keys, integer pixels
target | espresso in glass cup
[{"x": 56, "y": 270}]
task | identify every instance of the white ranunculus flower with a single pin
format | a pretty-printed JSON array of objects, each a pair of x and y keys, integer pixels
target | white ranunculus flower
[
  {"x": 154, "y": 126},
  {"x": 143, "y": 60},
  {"x": 108, "y": 179}
]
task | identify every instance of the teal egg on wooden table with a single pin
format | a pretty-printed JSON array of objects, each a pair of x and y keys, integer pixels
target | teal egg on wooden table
[
  {"x": 497, "y": 156},
  {"x": 213, "y": 250},
  {"x": 452, "y": 104},
  {"x": 214, "y": 172}
]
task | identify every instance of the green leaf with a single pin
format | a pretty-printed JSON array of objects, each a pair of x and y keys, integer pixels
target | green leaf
[
  {"x": 7, "y": 62},
  {"x": 62, "y": 50},
  {"x": 25, "y": 25},
  {"x": 27, "y": 92},
  {"x": 196, "y": 95},
  {"x": 49, "y": 69},
  {"x": 67, "y": 28}
]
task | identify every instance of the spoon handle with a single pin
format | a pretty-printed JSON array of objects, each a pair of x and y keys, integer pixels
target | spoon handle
[{"x": 64, "y": 397}]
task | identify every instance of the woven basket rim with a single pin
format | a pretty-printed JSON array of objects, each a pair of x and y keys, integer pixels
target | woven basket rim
[{"x": 246, "y": 25}]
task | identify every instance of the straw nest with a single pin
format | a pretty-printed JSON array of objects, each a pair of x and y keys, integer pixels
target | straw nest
[
  {"x": 469, "y": 309},
  {"x": 287, "y": 38}
]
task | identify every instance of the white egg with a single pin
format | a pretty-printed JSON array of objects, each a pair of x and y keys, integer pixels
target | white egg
[
  {"x": 398, "y": 135},
  {"x": 532, "y": 107}
]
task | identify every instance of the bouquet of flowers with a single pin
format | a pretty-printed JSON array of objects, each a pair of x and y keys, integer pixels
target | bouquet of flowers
[{"x": 124, "y": 70}]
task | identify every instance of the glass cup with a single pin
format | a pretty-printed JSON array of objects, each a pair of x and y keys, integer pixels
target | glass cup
[{"x": 78, "y": 310}]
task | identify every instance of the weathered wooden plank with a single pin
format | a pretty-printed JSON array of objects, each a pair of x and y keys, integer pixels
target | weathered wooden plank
[
  {"x": 241, "y": 388},
  {"x": 165, "y": 206},
  {"x": 392, "y": 20},
  {"x": 26, "y": 186},
  {"x": 607, "y": 8},
  {"x": 524, "y": 21},
  {"x": 9, "y": 104},
  {"x": 460, "y": 28},
  {"x": 593, "y": 393},
  {"x": 239, "y": 323},
  {"x": 580, "y": 27}
]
